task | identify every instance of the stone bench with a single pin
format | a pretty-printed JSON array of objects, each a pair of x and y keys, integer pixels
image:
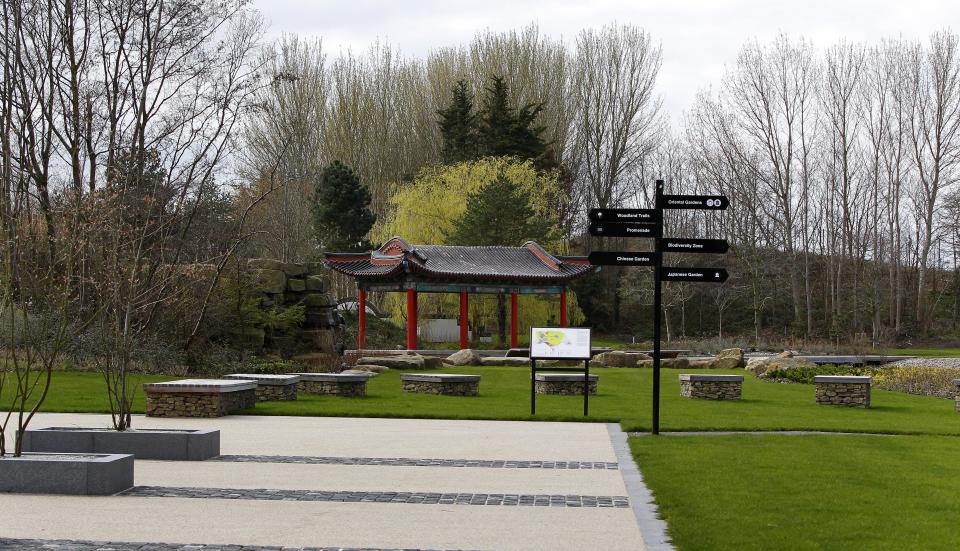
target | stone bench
[
  {"x": 271, "y": 388},
  {"x": 956, "y": 383},
  {"x": 850, "y": 391},
  {"x": 199, "y": 397},
  {"x": 567, "y": 384},
  {"x": 448, "y": 384},
  {"x": 333, "y": 384},
  {"x": 711, "y": 387}
]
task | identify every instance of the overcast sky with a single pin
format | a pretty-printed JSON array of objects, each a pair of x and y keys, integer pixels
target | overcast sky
[{"x": 698, "y": 37}]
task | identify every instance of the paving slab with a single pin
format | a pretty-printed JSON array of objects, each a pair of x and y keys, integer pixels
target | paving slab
[
  {"x": 373, "y": 437},
  {"x": 283, "y": 523},
  {"x": 212, "y": 474}
]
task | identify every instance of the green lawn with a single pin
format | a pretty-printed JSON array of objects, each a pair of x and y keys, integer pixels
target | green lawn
[
  {"x": 624, "y": 396},
  {"x": 805, "y": 492},
  {"x": 925, "y": 352}
]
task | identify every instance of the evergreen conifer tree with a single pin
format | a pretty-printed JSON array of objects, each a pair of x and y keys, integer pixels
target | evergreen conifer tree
[
  {"x": 499, "y": 213},
  {"x": 342, "y": 215},
  {"x": 505, "y": 131},
  {"x": 458, "y": 126}
]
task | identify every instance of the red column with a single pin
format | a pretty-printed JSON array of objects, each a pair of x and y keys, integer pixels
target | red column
[
  {"x": 563, "y": 308},
  {"x": 464, "y": 336},
  {"x": 513, "y": 320},
  {"x": 411, "y": 319},
  {"x": 362, "y": 319}
]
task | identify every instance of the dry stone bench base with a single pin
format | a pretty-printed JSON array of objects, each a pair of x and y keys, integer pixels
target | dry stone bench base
[
  {"x": 199, "y": 397},
  {"x": 448, "y": 384},
  {"x": 271, "y": 388},
  {"x": 843, "y": 391},
  {"x": 711, "y": 387},
  {"x": 566, "y": 384},
  {"x": 333, "y": 384},
  {"x": 956, "y": 383}
]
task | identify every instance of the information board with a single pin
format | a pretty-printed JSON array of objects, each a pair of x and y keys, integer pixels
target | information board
[{"x": 571, "y": 343}]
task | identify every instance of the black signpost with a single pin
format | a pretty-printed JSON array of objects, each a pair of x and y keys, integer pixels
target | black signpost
[{"x": 649, "y": 223}]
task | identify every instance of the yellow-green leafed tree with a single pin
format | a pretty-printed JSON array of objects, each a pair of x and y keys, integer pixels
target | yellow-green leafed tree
[{"x": 425, "y": 211}]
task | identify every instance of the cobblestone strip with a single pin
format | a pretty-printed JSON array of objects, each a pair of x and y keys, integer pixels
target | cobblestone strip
[
  {"x": 424, "y": 498},
  {"x": 407, "y": 462},
  {"x": 81, "y": 545}
]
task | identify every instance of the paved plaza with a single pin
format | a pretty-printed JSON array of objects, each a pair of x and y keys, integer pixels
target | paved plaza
[{"x": 332, "y": 483}]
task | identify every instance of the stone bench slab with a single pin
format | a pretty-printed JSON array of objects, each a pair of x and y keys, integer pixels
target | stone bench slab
[
  {"x": 564, "y": 377},
  {"x": 201, "y": 386},
  {"x": 439, "y": 378},
  {"x": 843, "y": 379},
  {"x": 334, "y": 377},
  {"x": 711, "y": 378},
  {"x": 266, "y": 379}
]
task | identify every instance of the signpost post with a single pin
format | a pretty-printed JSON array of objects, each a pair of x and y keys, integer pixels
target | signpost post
[{"x": 649, "y": 223}]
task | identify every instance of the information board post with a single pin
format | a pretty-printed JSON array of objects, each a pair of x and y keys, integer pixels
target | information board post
[
  {"x": 657, "y": 304},
  {"x": 560, "y": 343}
]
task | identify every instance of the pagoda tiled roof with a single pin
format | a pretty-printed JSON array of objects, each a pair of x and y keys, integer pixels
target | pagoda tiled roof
[{"x": 397, "y": 260}]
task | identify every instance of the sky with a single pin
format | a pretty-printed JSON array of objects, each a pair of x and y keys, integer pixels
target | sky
[{"x": 698, "y": 37}]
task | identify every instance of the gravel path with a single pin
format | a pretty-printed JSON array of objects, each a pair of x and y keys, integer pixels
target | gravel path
[{"x": 952, "y": 363}]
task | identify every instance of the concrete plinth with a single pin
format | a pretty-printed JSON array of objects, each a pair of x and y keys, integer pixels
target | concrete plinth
[{"x": 61, "y": 473}]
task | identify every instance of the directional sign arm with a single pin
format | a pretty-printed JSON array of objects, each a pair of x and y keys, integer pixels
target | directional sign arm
[
  {"x": 697, "y": 275},
  {"x": 622, "y": 258},
  {"x": 714, "y": 246},
  {"x": 703, "y": 202}
]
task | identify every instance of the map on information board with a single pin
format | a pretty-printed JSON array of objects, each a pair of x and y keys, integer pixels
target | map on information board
[{"x": 560, "y": 342}]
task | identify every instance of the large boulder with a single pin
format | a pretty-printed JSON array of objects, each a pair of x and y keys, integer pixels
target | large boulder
[
  {"x": 294, "y": 270},
  {"x": 315, "y": 283},
  {"x": 264, "y": 264},
  {"x": 466, "y": 356},
  {"x": 732, "y": 353},
  {"x": 761, "y": 366},
  {"x": 666, "y": 363},
  {"x": 708, "y": 363},
  {"x": 509, "y": 362},
  {"x": 432, "y": 362},
  {"x": 619, "y": 358},
  {"x": 355, "y": 371},
  {"x": 370, "y": 368},
  {"x": 269, "y": 281},
  {"x": 400, "y": 361},
  {"x": 785, "y": 354}
]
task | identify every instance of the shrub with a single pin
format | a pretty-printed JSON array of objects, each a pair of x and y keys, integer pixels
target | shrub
[
  {"x": 270, "y": 366},
  {"x": 927, "y": 381},
  {"x": 805, "y": 375}
]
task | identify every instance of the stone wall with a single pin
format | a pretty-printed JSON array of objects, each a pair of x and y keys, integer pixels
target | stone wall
[
  {"x": 276, "y": 393},
  {"x": 447, "y": 388},
  {"x": 565, "y": 388},
  {"x": 282, "y": 284},
  {"x": 956, "y": 383},
  {"x": 711, "y": 390},
  {"x": 198, "y": 404},
  {"x": 844, "y": 394},
  {"x": 334, "y": 388}
]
